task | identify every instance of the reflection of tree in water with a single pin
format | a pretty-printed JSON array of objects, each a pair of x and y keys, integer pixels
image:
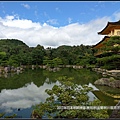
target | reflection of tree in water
[
  {"x": 107, "y": 100},
  {"x": 82, "y": 76},
  {"x": 17, "y": 81},
  {"x": 41, "y": 77}
]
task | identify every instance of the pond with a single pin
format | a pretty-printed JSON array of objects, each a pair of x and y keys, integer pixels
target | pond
[{"x": 20, "y": 92}]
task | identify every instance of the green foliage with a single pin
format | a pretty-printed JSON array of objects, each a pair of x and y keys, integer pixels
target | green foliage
[
  {"x": 37, "y": 55},
  {"x": 12, "y": 50},
  {"x": 112, "y": 41},
  {"x": 110, "y": 58},
  {"x": 2, "y": 54},
  {"x": 109, "y": 62},
  {"x": 12, "y": 116},
  {"x": 53, "y": 63},
  {"x": 71, "y": 55},
  {"x": 2, "y": 57},
  {"x": 68, "y": 94},
  {"x": 1, "y": 115},
  {"x": 112, "y": 79},
  {"x": 112, "y": 45}
]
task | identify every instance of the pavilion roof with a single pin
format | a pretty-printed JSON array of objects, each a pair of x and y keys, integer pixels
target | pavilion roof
[
  {"x": 99, "y": 43},
  {"x": 110, "y": 26}
]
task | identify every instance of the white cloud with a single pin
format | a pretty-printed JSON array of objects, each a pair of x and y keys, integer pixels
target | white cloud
[
  {"x": 1, "y": 34},
  {"x": 24, "y": 97},
  {"x": 26, "y": 6},
  {"x": 12, "y": 23},
  {"x": 33, "y": 33},
  {"x": 9, "y": 17},
  {"x": 52, "y": 21},
  {"x": 69, "y": 20}
]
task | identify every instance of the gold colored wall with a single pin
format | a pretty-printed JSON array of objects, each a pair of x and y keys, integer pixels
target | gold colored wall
[{"x": 115, "y": 32}]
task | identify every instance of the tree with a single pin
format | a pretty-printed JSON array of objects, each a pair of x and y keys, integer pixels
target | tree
[
  {"x": 111, "y": 54},
  {"x": 112, "y": 45},
  {"x": 38, "y": 55},
  {"x": 19, "y": 52},
  {"x": 53, "y": 63},
  {"x": 68, "y": 94},
  {"x": 2, "y": 56}
]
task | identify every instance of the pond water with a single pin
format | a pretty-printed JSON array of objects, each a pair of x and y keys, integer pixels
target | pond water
[{"x": 20, "y": 92}]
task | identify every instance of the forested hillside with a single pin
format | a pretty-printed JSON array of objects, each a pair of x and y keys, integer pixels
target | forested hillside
[{"x": 15, "y": 53}]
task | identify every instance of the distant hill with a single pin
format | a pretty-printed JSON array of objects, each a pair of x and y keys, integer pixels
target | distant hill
[
  {"x": 6, "y": 44},
  {"x": 12, "y": 42}
]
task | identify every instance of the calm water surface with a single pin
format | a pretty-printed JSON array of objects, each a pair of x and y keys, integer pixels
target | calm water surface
[{"x": 19, "y": 92}]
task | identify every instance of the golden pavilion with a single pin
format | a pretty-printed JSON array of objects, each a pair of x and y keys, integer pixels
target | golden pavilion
[{"x": 111, "y": 29}]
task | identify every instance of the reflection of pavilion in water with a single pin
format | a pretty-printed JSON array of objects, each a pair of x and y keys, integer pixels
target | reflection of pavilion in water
[
  {"x": 111, "y": 98},
  {"x": 105, "y": 94}
]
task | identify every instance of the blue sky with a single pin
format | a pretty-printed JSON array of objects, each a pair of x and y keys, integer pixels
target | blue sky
[{"x": 52, "y": 24}]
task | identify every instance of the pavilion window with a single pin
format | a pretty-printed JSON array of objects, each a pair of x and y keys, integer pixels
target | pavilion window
[{"x": 118, "y": 33}]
